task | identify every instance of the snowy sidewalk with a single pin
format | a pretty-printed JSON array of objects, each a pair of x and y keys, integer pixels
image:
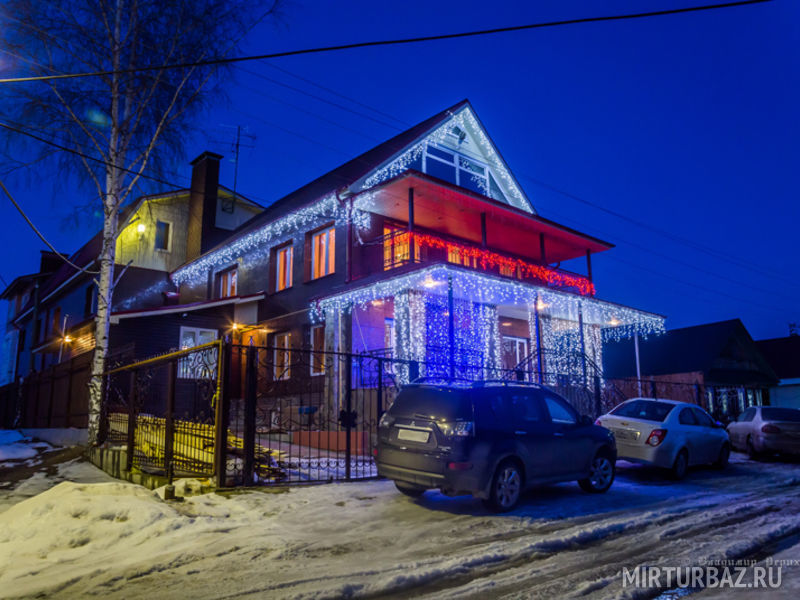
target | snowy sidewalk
[{"x": 364, "y": 539}]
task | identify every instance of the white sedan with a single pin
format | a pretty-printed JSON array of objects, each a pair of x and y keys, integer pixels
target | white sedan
[{"x": 669, "y": 434}]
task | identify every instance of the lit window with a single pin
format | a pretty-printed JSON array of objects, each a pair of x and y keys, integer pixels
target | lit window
[
  {"x": 283, "y": 273},
  {"x": 317, "y": 349},
  {"x": 163, "y": 231},
  {"x": 457, "y": 257},
  {"x": 228, "y": 283},
  {"x": 323, "y": 246},
  {"x": 198, "y": 365},
  {"x": 396, "y": 249},
  {"x": 283, "y": 355}
]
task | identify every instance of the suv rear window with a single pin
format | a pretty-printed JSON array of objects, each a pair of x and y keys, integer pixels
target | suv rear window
[
  {"x": 780, "y": 414},
  {"x": 647, "y": 410},
  {"x": 433, "y": 403}
]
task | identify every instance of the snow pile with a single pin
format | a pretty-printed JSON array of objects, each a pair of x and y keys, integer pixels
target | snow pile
[
  {"x": 70, "y": 529},
  {"x": 16, "y": 447}
]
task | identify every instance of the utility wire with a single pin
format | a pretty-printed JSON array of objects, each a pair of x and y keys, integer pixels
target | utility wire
[
  {"x": 394, "y": 42},
  {"x": 41, "y": 236}
]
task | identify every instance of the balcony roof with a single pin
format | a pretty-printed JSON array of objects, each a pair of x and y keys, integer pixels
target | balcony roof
[{"x": 445, "y": 207}]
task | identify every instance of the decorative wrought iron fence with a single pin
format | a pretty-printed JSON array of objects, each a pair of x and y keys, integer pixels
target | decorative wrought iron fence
[
  {"x": 254, "y": 415},
  {"x": 163, "y": 410}
]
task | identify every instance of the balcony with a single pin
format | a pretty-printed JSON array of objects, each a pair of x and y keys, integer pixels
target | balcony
[{"x": 399, "y": 250}]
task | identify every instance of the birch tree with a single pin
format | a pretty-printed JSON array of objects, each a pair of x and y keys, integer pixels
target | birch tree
[{"x": 127, "y": 124}]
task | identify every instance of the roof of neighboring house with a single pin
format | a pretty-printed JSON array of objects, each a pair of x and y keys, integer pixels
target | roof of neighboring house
[
  {"x": 189, "y": 307},
  {"x": 783, "y": 355},
  {"x": 699, "y": 348},
  {"x": 341, "y": 176}
]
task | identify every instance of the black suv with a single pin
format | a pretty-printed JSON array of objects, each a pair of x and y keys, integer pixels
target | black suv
[{"x": 491, "y": 440}]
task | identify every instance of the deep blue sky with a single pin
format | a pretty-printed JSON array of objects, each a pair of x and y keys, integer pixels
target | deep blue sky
[{"x": 687, "y": 123}]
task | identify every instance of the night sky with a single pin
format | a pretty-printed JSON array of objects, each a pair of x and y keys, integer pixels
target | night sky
[{"x": 675, "y": 138}]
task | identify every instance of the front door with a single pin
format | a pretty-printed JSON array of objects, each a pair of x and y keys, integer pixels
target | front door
[{"x": 515, "y": 350}]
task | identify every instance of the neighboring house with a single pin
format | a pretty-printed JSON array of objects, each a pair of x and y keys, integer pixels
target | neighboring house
[
  {"x": 18, "y": 294},
  {"x": 157, "y": 234},
  {"x": 783, "y": 355},
  {"x": 717, "y": 365}
]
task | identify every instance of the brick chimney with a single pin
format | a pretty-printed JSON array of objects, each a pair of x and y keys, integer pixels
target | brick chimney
[{"x": 203, "y": 204}]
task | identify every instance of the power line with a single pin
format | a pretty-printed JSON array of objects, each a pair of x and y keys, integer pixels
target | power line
[
  {"x": 41, "y": 236},
  {"x": 394, "y": 42}
]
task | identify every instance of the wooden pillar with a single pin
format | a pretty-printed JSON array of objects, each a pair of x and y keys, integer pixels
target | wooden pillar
[
  {"x": 589, "y": 265},
  {"x": 542, "y": 249},
  {"x": 411, "y": 209}
]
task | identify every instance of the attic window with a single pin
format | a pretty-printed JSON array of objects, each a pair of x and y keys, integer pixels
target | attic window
[
  {"x": 163, "y": 230},
  {"x": 463, "y": 171}
]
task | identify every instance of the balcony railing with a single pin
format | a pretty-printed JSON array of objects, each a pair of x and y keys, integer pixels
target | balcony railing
[{"x": 402, "y": 249}]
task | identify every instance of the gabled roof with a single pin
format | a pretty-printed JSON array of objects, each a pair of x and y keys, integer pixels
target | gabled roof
[
  {"x": 344, "y": 175},
  {"x": 685, "y": 350},
  {"x": 783, "y": 355}
]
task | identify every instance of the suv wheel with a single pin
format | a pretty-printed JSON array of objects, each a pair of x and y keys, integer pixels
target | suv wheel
[
  {"x": 506, "y": 487},
  {"x": 680, "y": 466},
  {"x": 724, "y": 456},
  {"x": 412, "y": 491},
  {"x": 600, "y": 477}
]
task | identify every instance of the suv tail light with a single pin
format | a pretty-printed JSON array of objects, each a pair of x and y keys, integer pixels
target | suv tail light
[
  {"x": 598, "y": 422},
  {"x": 769, "y": 428},
  {"x": 656, "y": 437},
  {"x": 458, "y": 428}
]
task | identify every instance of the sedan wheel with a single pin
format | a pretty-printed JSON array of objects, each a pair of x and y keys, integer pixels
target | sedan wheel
[
  {"x": 506, "y": 488},
  {"x": 600, "y": 477},
  {"x": 681, "y": 465}
]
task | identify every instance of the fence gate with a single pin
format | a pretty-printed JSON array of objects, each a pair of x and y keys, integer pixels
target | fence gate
[
  {"x": 299, "y": 416},
  {"x": 164, "y": 411}
]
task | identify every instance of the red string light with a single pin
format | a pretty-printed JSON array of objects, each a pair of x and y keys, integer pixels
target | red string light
[{"x": 488, "y": 259}]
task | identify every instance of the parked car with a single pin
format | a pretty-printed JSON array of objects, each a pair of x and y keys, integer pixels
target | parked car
[
  {"x": 669, "y": 434},
  {"x": 492, "y": 440},
  {"x": 767, "y": 429}
]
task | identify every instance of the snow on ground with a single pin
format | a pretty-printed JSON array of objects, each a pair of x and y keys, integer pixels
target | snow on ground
[
  {"x": 365, "y": 539},
  {"x": 16, "y": 447}
]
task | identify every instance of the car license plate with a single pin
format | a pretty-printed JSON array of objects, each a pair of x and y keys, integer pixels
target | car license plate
[
  {"x": 624, "y": 434},
  {"x": 412, "y": 435}
]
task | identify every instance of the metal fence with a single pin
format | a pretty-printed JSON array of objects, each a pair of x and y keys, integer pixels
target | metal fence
[
  {"x": 256, "y": 415},
  {"x": 163, "y": 411},
  {"x": 304, "y": 416}
]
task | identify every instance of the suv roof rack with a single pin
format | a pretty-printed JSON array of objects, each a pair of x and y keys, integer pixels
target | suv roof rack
[{"x": 505, "y": 383}]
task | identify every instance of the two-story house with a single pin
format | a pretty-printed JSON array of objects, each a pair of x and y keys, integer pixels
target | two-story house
[
  {"x": 51, "y": 313},
  {"x": 424, "y": 248}
]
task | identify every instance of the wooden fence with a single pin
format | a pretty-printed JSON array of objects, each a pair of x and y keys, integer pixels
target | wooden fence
[{"x": 55, "y": 397}]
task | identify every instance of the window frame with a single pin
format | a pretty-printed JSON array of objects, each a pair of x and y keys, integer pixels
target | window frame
[
  {"x": 329, "y": 233},
  {"x": 287, "y": 249},
  {"x": 184, "y": 367},
  {"x": 286, "y": 350},
  {"x": 317, "y": 354},
  {"x": 168, "y": 249},
  {"x": 456, "y": 163},
  {"x": 233, "y": 270}
]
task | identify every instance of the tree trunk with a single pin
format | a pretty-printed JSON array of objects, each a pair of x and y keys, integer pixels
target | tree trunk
[
  {"x": 105, "y": 288},
  {"x": 105, "y": 293}
]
